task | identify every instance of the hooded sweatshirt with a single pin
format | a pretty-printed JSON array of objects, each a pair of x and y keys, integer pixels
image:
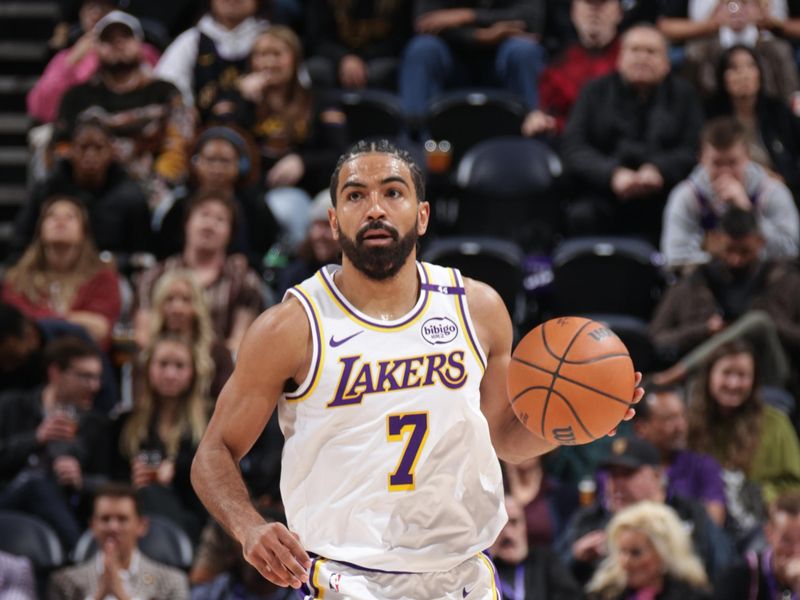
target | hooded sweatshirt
[{"x": 693, "y": 209}]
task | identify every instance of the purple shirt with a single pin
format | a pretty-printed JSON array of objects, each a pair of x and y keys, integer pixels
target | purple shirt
[{"x": 695, "y": 476}]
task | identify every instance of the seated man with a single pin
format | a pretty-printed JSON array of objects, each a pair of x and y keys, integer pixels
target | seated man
[
  {"x": 635, "y": 474},
  {"x": 725, "y": 177},
  {"x": 774, "y": 572},
  {"x": 740, "y": 293},
  {"x": 631, "y": 136},
  {"x": 661, "y": 420},
  {"x": 525, "y": 572},
  {"x": 52, "y": 446},
  {"x": 118, "y": 570}
]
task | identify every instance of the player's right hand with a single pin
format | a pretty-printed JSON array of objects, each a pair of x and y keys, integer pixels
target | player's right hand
[{"x": 277, "y": 554}]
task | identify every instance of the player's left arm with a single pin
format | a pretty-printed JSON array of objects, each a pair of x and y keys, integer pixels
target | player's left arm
[{"x": 512, "y": 441}]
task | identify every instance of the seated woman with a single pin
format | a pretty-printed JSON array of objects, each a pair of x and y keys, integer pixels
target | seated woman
[
  {"x": 773, "y": 130},
  {"x": 223, "y": 159},
  {"x": 299, "y": 137},
  {"x": 650, "y": 558},
  {"x": 158, "y": 438},
  {"x": 232, "y": 289},
  {"x": 180, "y": 309},
  {"x": 61, "y": 274},
  {"x": 754, "y": 442}
]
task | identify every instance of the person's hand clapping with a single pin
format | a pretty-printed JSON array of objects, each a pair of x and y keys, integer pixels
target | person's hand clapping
[{"x": 110, "y": 583}]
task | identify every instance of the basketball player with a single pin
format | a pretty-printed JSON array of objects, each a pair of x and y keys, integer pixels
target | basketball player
[{"x": 389, "y": 378}]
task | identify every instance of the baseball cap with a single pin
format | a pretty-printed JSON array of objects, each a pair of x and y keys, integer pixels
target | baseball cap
[
  {"x": 117, "y": 17},
  {"x": 631, "y": 453}
]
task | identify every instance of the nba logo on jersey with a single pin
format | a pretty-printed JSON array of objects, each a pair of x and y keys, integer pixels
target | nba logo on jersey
[
  {"x": 439, "y": 330},
  {"x": 333, "y": 582}
]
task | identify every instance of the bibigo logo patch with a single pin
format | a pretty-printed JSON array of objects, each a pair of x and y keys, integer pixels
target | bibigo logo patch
[{"x": 439, "y": 330}]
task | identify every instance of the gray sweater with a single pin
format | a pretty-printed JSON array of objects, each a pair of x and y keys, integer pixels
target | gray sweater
[{"x": 692, "y": 204}]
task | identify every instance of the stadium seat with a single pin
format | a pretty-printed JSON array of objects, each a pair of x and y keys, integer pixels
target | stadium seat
[
  {"x": 466, "y": 117},
  {"x": 606, "y": 275},
  {"x": 372, "y": 113},
  {"x": 491, "y": 260},
  {"x": 506, "y": 185},
  {"x": 29, "y": 536},
  {"x": 164, "y": 542}
]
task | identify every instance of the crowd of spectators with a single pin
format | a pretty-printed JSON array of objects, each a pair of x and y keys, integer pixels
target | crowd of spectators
[{"x": 179, "y": 187}]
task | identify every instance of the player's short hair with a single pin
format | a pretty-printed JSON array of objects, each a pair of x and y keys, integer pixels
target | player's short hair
[
  {"x": 380, "y": 146},
  {"x": 722, "y": 133}
]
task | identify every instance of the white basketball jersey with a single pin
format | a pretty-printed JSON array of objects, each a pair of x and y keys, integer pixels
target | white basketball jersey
[{"x": 388, "y": 462}]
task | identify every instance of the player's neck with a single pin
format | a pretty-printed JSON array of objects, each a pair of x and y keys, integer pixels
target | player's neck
[{"x": 387, "y": 299}]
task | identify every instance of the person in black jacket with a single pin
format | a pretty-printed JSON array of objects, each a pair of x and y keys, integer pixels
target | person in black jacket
[
  {"x": 52, "y": 444},
  {"x": 354, "y": 45},
  {"x": 118, "y": 211},
  {"x": 631, "y": 136}
]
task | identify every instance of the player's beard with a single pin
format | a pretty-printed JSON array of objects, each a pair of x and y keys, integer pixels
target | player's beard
[{"x": 379, "y": 262}]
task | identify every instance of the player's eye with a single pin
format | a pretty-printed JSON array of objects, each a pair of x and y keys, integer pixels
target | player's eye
[
  {"x": 394, "y": 193},
  {"x": 354, "y": 196}
]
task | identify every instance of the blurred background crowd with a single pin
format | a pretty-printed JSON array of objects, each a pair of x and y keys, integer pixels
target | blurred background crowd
[{"x": 163, "y": 179}]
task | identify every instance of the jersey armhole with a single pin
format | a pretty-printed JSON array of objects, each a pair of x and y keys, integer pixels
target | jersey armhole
[
  {"x": 317, "y": 348},
  {"x": 462, "y": 308}
]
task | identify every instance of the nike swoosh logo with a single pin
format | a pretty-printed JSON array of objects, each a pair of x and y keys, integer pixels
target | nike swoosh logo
[
  {"x": 465, "y": 592},
  {"x": 336, "y": 343}
]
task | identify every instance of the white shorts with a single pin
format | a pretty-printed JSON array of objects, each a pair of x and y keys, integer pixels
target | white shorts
[{"x": 474, "y": 579}]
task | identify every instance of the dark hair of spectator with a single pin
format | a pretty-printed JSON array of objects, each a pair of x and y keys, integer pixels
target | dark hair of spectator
[
  {"x": 722, "y": 133},
  {"x": 721, "y": 103},
  {"x": 380, "y": 146},
  {"x": 63, "y": 350},
  {"x": 738, "y": 223},
  {"x": 116, "y": 489}
]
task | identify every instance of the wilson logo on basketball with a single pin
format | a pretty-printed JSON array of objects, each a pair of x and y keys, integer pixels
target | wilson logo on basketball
[
  {"x": 439, "y": 330},
  {"x": 600, "y": 333}
]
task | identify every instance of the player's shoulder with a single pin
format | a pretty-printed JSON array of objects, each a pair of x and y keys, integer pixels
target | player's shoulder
[
  {"x": 486, "y": 306},
  {"x": 282, "y": 322}
]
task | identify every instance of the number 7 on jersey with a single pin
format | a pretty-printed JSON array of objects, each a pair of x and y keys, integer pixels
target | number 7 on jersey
[{"x": 397, "y": 426}]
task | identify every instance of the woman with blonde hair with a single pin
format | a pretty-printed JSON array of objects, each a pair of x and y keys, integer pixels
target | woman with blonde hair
[
  {"x": 158, "y": 438},
  {"x": 650, "y": 558},
  {"x": 61, "y": 274},
  {"x": 179, "y": 307}
]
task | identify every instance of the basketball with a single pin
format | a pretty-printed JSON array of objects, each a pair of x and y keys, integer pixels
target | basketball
[{"x": 570, "y": 380}]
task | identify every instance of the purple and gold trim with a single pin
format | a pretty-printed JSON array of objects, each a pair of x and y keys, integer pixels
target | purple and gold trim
[
  {"x": 466, "y": 322},
  {"x": 313, "y": 580},
  {"x": 384, "y": 326},
  {"x": 493, "y": 573},
  {"x": 318, "y": 347}
]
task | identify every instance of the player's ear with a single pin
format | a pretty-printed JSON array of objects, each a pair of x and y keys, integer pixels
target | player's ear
[
  {"x": 423, "y": 217},
  {"x": 334, "y": 222}
]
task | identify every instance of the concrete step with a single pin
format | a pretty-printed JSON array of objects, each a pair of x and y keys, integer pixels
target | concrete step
[
  {"x": 18, "y": 51},
  {"x": 38, "y": 10},
  {"x": 13, "y": 195}
]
